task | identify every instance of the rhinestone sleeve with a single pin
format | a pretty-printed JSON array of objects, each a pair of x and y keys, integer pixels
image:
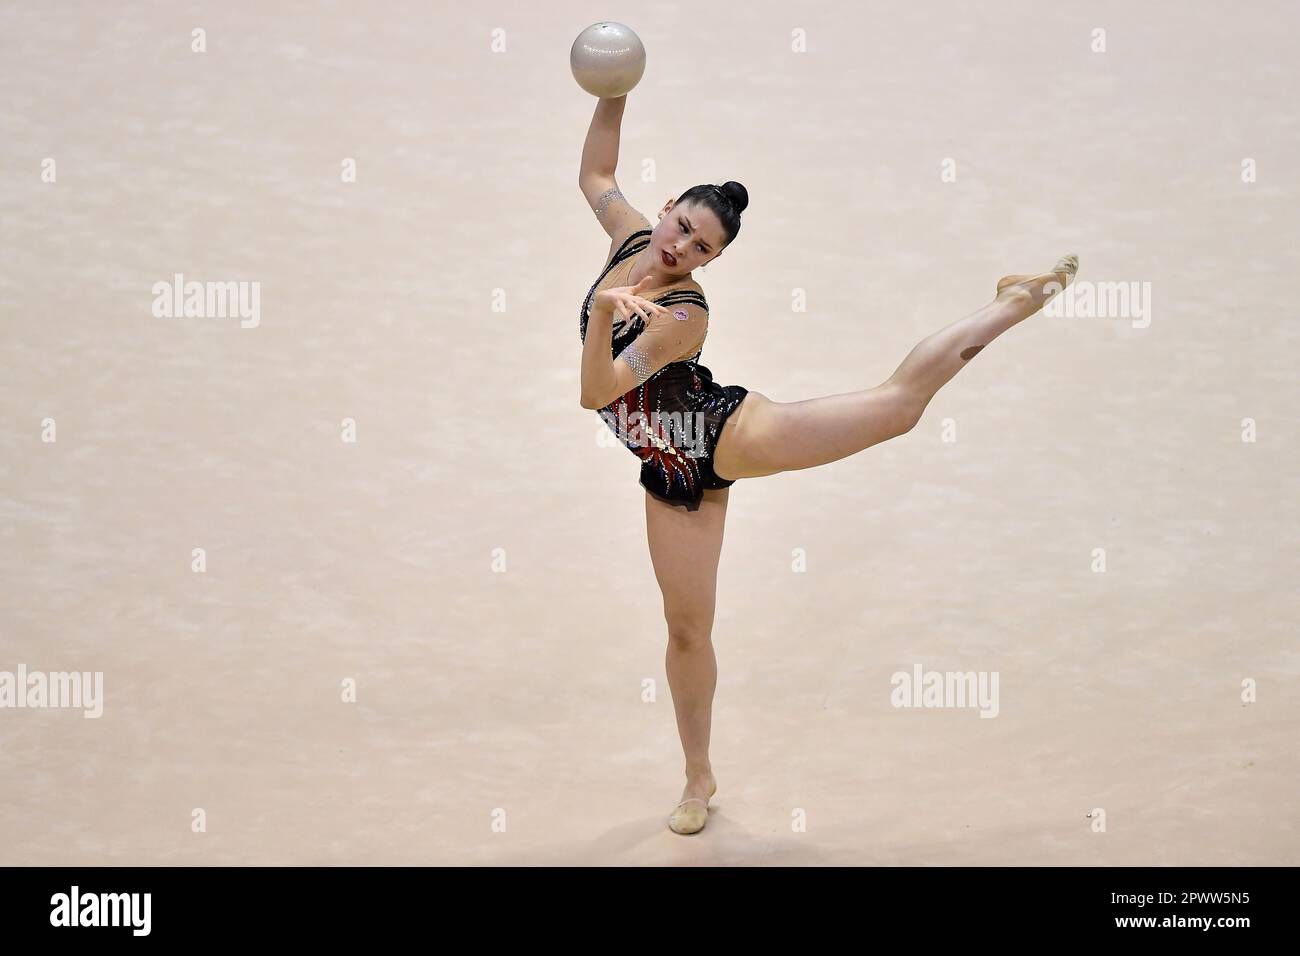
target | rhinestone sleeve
[
  {"x": 608, "y": 196},
  {"x": 638, "y": 361}
]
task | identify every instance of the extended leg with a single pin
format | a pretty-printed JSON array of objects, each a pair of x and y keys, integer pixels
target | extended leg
[{"x": 765, "y": 437}]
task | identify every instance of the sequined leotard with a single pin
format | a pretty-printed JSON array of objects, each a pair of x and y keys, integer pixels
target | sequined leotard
[{"x": 682, "y": 410}]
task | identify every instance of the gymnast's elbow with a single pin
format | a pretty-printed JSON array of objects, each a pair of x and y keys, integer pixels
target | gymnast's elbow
[{"x": 590, "y": 399}]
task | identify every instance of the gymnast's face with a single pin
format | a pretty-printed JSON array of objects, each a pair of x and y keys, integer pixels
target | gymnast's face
[{"x": 690, "y": 234}]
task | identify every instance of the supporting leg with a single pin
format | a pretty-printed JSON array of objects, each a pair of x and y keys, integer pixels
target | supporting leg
[{"x": 685, "y": 549}]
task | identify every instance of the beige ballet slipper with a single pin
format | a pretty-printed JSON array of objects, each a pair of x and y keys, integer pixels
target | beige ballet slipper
[
  {"x": 690, "y": 815},
  {"x": 1065, "y": 270}
]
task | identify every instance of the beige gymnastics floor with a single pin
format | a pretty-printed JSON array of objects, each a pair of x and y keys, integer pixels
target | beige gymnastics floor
[{"x": 513, "y": 693}]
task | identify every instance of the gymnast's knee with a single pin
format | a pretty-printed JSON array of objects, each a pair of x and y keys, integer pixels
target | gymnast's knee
[
  {"x": 688, "y": 631},
  {"x": 906, "y": 406}
]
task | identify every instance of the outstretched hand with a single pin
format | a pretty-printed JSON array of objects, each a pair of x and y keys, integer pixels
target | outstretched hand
[{"x": 624, "y": 300}]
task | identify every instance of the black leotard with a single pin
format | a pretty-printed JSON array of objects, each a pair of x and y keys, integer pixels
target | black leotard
[{"x": 685, "y": 387}]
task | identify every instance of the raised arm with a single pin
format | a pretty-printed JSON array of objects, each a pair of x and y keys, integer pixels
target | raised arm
[{"x": 596, "y": 175}]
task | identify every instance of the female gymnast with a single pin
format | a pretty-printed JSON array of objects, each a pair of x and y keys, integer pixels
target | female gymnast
[{"x": 643, "y": 324}]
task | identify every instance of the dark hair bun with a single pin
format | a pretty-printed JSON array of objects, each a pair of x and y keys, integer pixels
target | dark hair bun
[{"x": 736, "y": 194}]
